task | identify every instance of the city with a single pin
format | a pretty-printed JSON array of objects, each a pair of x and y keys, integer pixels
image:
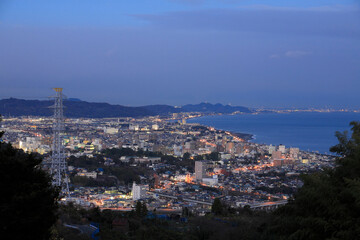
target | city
[
  {"x": 179, "y": 164},
  {"x": 179, "y": 120}
]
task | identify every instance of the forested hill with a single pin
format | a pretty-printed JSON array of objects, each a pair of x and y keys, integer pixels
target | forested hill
[
  {"x": 216, "y": 108},
  {"x": 78, "y": 108}
]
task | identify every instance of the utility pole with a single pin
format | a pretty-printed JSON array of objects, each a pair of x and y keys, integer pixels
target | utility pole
[{"x": 58, "y": 160}]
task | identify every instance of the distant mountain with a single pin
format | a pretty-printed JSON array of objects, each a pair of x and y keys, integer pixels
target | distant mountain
[
  {"x": 161, "y": 109},
  {"x": 73, "y": 99},
  {"x": 19, "y": 107},
  {"x": 216, "y": 108},
  {"x": 76, "y": 108}
]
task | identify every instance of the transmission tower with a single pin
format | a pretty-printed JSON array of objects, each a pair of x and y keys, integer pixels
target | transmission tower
[{"x": 58, "y": 163}]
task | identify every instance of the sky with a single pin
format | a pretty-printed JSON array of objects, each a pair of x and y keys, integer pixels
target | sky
[{"x": 258, "y": 53}]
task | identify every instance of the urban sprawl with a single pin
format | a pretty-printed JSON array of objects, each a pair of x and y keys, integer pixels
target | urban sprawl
[{"x": 166, "y": 163}]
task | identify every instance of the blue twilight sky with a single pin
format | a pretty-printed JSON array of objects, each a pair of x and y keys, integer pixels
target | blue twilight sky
[{"x": 252, "y": 53}]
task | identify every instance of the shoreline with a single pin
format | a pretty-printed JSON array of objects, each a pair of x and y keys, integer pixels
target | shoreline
[
  {"x": 246, "y": 136},
  {"x": 309, "y": 140}
]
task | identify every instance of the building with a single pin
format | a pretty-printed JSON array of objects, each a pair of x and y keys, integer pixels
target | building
[
  {"x": 271, "y": 149},
  {"x": 30, "y": 144},
  {"x": 229, "y": 147},
  {"x": 139, "y": 191},
  {"x": 294, "y": 153},
  {"x": 282, "y": 148},
  {"x": 200, "y": 168},
  {"x": 134, "y": 127},
  {"x": 177, "y": 150},
  {"x": 92, "y": 174},
  {"x": 211, "y": 181},
  {"x": 276, "y": 155},
  {"x": 110, "y": 130}
]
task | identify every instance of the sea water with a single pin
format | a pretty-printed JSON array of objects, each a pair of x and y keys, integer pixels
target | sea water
[{"x": 309, "y": 131}]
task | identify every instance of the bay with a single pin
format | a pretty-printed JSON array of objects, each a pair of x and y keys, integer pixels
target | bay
[{"x": 309, "y": 131}]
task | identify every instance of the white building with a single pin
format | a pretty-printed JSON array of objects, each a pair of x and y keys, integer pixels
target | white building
[
  {"x": 282, "y": 148},
  {"x": 139, "y": 191},
  {"x": 31, "y": 144},
  {"x": 134, "y": 127},
  {"x": 177, "y": 150},
  {"x": 271, "y": 149},
  {"x": 211, "y": 181},
  {"x": 110, "y": 130}
]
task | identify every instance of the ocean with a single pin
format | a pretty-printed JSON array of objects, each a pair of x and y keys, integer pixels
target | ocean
[{"x": 309, "y": 131}]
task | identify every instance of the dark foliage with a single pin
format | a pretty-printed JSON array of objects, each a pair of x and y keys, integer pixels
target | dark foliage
[
  {"x": 217, "y": 207},
  {"x": 28, "y": 201},
  {"x": 328, "y": 204}
]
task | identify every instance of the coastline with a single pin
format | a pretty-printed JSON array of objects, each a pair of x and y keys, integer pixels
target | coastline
[
  {"x": 309, "y": 131},
  {"x": 246, "y": 136}
]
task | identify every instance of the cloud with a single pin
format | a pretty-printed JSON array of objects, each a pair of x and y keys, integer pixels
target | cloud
[
  {"x": 297, "y": 53},
  {"x": 291, "y": 54},
  {"x": 196, "y": 2},
  {"x": 296, "y": 21},
  {"x": 330, "y": 8},
  {"x": 274, "y": 56}
]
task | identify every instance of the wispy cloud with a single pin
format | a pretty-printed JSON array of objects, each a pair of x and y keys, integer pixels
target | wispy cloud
[
  {"x": 196, "y": 2},
  {"x": 325, "y": 8},
  {"x": 291, "y": 54},
  {"x": 344, "y": 24},
  {"x": 274, "y": 56},
  {"x": 297, "y": 53}
]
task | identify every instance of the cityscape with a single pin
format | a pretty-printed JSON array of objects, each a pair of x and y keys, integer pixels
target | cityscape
[
  {"x": 179, "y": 164},
  {"x": 179, "y": 120}
]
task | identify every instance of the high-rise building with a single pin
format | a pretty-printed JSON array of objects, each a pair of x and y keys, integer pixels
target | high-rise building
[
  {"x": 200, "y": 170},
  {"x": 139, "y": 191},
  {"x": 271, "y": 149},
  {"x": 282, "y": 148}
]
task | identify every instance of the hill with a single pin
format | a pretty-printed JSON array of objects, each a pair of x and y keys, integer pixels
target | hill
[
  {"x": 214, "y": 108},
  {"x": 77, "y": 108}
]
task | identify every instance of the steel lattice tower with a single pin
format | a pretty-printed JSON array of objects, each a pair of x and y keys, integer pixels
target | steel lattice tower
[{"x": 58, "y": 160}]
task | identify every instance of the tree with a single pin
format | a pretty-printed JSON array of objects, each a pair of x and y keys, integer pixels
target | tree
[
  {"x": 328, "y": 204},
  {"x": 185, "y": 212},
  {"x": 28, "y": 202},
  {"x": 138, "y": 209},
  {"x": 144, "y": 209},
  {"x": 217, "y": 207},
  {"x": 214, "y": 156},
  {"x": 186, "y": 156}
]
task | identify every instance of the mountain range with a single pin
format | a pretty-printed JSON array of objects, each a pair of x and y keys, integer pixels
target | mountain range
[{"x": 76, "y": 108}]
